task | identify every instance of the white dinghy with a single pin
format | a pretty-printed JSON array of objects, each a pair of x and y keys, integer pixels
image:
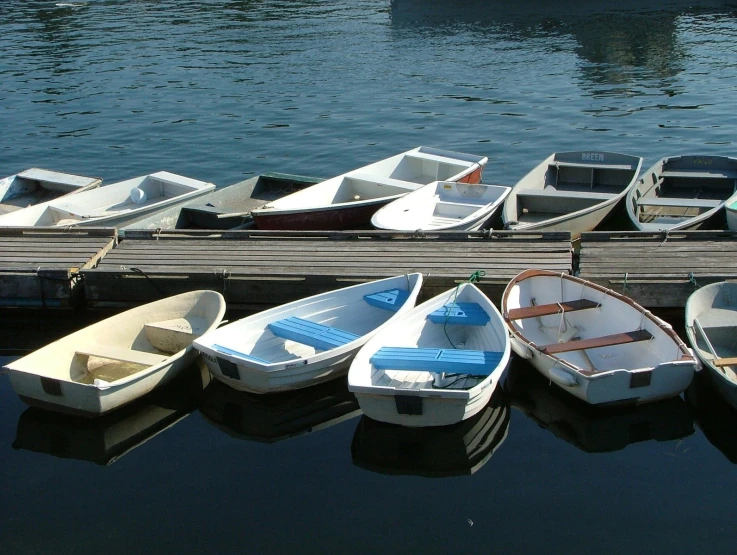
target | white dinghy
[
  {"x": 442, "y": 206},
  {"x": 437, "y": 365},
  {"x": 36, "y": 185},
  {"x": 119, "y": 359},
  {"x": 683, "y": 192},
  {"x": 349, "y": 200},
  {"x": 308, "y": 341},
  {"x": 111, "y": 205},
  {"x": 594, "y": 343},
  {"x": 571, "y": 191},
  {"x": 711, "y": 327}
]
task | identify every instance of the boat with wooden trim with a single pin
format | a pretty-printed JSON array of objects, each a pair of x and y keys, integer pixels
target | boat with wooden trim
[
  {"x": 308, "y": 341},
  {"x": 117, "y": 360},
  {"x": 434, "y": 452},
  {"x": 711, "y": 327},
  {"x": 36, "y": 185},
  {"x": 435, "y": 366},
  {"x": 349, "y": 200},
  {"x": 571, "y": 191},
  {"x": 683, "y": 192},
  {"x": 442, "y": 206},
  {"x": 594, "y": 343},
  {"x": 111, "y": 205}
]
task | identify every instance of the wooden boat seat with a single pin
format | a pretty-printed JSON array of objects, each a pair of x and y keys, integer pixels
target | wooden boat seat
[
  {"x": 552, "y": 308},
  {"x": 716, "y": 174},
  {"x": 465, "y": 314},
  {"x": 122, "y": 354},
  {"x": 440, "y": 159},
  {"x": 311, "y": 333},
  {"x": 679, "y": 202},
  {"x": 721, "y": 362},
  {"x": 391, "y": 299},
  {"x": 550, "y": 192},
  {"x": 597, "y": 342},
  {"x": 383, "y": 180},
  {"x": 457, "y": 361}
]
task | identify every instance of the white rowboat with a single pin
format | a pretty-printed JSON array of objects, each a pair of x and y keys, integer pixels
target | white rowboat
[
  {"x": 683, "y": 192},
  {"x": 36, "y": 185},
  {"x": 442, "y": 206},
  {"x": 111, "y": 205},
  {"x": 594, "y": 343},
  {"x": 119, "y": 359},
  {"x": 711, "y": 327},
  {"x": 571, "y": 191},
  {"x": 308, "y": 341},
  {"x": 437, "y": 365}
]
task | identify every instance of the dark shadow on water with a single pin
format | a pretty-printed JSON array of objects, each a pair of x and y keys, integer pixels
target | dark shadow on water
[
  {"x": 594, "y": 429},
  {"x": 104, "y": 440},
  {"x": 432, "y": 452},
  {"x": 279, "y": 416},
  {"x": 715, "y": 416}
]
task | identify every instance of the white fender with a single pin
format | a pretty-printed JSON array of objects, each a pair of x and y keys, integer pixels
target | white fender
[{"x": 562, "y": 377}]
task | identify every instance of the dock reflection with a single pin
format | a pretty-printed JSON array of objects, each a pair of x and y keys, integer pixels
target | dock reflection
[
  {"x": 594, "y": 429},
  {"x": 276, "y": 417},
  {"x": 432, "y": 452},
  {"x": 104, "y": 440},
  {"x": 715, "y": 417}
]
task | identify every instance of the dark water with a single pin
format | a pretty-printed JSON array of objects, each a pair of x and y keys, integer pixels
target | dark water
[{"x": 222, "y": 90}]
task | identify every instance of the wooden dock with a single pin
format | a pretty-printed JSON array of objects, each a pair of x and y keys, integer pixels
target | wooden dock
[
  {"x": 255, "y": 269},
  {"x": 39, "y": 267},
  {"x": 658, "y": 270}
]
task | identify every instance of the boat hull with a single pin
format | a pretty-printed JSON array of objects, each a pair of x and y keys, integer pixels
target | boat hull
[{"x": 331, "y": 218}]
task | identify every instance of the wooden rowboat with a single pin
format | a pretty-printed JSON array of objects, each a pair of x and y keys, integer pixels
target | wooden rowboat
[
  {"x": 442, "y": 206},
  {"x": 594, "y": 343},
  {"x": 119, "y": 359},
  {"x": 683, "y": 192},
  {"x": 308, "y": 341},
  {"x": 349, "y": 200},
  {"x": 435, "y": 366},
  {"x": 36, "y": 185},
  {"x": 571, "y": 191},
  {"x": 711, "y": 327},
  {"x": 111, "y": 205}
]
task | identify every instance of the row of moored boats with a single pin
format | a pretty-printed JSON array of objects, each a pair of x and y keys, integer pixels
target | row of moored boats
[
  {"x": 424, "y": 188},
  {"x": 429, "y": 364}
]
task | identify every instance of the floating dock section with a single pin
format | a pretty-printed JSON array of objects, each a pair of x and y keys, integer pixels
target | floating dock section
[
  {"x": 39, "y": 267},
  {"x": 658, "y": 270},
  {"x": 256, "y": 269}
]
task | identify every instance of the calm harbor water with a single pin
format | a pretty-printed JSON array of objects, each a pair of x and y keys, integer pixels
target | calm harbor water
[{"x": 220, "y": 91}]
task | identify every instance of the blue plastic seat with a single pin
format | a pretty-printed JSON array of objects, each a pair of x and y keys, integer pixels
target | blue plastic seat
[
  {"x": 311, "y": 333},
  {"x": 391, "y": 299},
  {"x": 467, "y": 314},
  {"x": 457, "y": 361}
]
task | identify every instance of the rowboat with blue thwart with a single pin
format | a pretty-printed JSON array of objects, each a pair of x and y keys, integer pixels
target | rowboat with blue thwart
[
  {"x": 437, "y": 365},
  {"x": 308, "y": 341}
]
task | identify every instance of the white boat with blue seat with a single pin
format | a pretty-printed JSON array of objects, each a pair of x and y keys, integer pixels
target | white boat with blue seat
[
  {"x": 436, "y": 365},
  {"x": 308, "y": 341}
]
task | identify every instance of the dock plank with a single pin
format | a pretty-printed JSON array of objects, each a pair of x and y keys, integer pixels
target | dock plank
[
  {"x": 260, "y": 269},
  {"x": 658, "y": 270}
]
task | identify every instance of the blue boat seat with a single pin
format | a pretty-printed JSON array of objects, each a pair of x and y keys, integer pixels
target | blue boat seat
[
  {"x": 468, "y": 314},
  {"x": 311, "y": 333},
  {"x": 457, "y": 361},
  {"x": 239, "y": 354},
  {"x": 391, "y": 299}
]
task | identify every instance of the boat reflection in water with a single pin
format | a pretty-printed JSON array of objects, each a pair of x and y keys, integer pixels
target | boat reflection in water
[
  {"x": 104, "y": 440},
  {"x": 716, "y": 418},
  {"x": 278, "y": 416},
  {"x": 433, "y": 452},
  {"x": 594, "y": 429}
]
